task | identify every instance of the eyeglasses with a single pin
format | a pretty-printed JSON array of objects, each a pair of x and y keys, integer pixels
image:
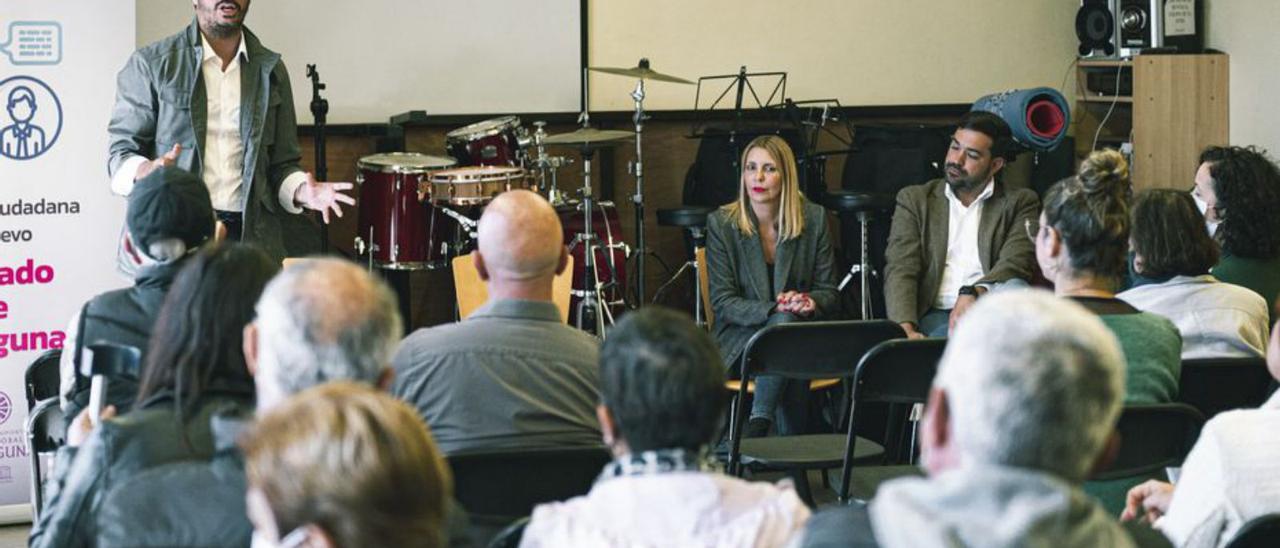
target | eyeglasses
[{"x": 1032, "y": 227}]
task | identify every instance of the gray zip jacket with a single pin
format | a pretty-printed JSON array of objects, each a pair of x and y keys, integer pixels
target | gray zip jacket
[{"x": 161, "y": 101}]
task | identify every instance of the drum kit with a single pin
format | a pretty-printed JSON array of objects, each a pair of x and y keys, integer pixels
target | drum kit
[{"x": 418, "y": 211}]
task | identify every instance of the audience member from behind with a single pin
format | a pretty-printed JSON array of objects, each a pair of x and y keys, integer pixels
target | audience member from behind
[
  {"x": 1172, "y": 257},
  {"x": 1240, "y": 187},
  {"x": 1229, "y": 477},
  {"x": 320, "y": 321},
  {"x": 662, "y": 404},
  {"x": 512, "y": 374},
  {"x": 169, "y": 216},
  {"x": 195, "y": 376},
  {"x": 1022, "y": 410},
  {"x": 343, "y": 465},
  {"x": 1082, "y": 245}
]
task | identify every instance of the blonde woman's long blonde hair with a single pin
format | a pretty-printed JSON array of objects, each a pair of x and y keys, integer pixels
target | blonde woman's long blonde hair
[{"x": 790, "y": 221}]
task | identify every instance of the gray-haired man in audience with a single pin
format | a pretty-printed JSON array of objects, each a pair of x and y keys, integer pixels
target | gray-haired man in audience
[
  {"x": 318, "y": 321},
  {"x": 1014, "y": 424}
]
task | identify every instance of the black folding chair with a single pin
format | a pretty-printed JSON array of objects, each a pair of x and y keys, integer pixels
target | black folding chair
[
  {"x": 803, "y": 351},
  {"x": 899, "y": 373},
  {"x": 1259, "y": 532},
  {"x": 1153, "y": 437},
  {"x": 500, "y": 486},
  {"x": 1214, "y": 385},
  {"x": 43, "y": 378},
  {"x": 46, "y": 432}
]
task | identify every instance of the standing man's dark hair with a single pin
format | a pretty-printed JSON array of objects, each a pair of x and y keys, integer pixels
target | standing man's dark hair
[{"x": 661, "y": 382}]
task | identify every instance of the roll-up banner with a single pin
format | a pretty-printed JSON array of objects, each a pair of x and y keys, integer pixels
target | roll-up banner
[{"x": 59, "y": 221}]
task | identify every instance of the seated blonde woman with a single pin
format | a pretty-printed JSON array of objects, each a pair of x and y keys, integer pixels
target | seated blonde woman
[{"x": 769, "y": 261}]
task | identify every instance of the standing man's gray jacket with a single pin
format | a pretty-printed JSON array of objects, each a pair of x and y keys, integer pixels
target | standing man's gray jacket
[{"x": 161, "y": 101}]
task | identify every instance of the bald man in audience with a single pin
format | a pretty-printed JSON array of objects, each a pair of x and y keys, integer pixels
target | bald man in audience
[{"x": 511, "y": 375}]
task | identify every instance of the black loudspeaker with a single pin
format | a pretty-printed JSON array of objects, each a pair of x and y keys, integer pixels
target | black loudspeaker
[
  {"x": 1168, "y": 25},
  {"x": 1096, "y": 28}
]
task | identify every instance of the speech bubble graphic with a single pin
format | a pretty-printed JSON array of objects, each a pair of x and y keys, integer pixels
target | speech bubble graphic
[{"x": 34, "y": 43}]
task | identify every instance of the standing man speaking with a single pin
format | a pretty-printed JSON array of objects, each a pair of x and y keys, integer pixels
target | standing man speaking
[{"x": 212, "y": 100}]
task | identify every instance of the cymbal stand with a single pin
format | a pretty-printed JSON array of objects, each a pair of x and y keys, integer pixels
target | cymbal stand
[
  {"x": 548, "y": 165},
  {"x": 593, "y": 296},
  {"x": 638, "y": 198}
]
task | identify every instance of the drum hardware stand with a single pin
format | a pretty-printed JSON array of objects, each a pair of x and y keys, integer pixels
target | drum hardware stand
[
  {"x": 467, "y": 223},
  {"x": 545, "y": 164},
  {"x": 699, "y": 242},
  {"x": 862, "y": 269},
  {"x": 593, "y": 296},
  {"x": 320, "y": 111},
  {"x": 637, "y": 169}
]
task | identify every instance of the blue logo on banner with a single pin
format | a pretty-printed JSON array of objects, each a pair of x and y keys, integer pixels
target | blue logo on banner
[
  {"x": 34, "y": 43},
  {"x": 31, "y": 119}
]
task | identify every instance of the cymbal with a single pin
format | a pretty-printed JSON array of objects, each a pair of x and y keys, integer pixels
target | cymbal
[
  {"x": 641, "y": 71},
  {"x": 590, "y": 137}
]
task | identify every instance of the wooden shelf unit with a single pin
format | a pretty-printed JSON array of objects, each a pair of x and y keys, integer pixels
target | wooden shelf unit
[{"x": 1179, "y": 106}]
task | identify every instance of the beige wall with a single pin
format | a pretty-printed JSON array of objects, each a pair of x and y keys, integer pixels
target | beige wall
[
  {"x": 863, "y": 52},
  {"x": 1246, "y": 29}
]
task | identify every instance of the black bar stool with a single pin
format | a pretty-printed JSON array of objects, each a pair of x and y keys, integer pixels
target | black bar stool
[
  {"x": 865, "y": 207},
  {"x": 694, "y": 220}
]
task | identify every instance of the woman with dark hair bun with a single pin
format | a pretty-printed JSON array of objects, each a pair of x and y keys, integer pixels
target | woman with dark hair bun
[
  {"x": 1240, "y": 188},
  {"x": 1173, "y": 254},
  {"x": 1082, "y": 245},
  {"x": 194, "y": 378}
]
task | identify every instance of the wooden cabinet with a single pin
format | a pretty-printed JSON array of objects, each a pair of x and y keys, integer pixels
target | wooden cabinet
[{"x": 1178, "y": 106}]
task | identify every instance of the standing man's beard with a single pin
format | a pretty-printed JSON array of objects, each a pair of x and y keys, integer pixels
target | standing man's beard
[{"x": 216, "y": 28}]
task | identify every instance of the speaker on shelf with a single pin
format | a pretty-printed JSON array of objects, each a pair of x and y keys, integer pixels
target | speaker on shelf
[
  {"x": 1124, "y": 28},
  {"x": 1096, "y": 28}
]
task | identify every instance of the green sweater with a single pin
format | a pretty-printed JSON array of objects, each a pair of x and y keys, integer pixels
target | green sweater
[
  {"x": 1260, "y": 275},
  {"x": 1153, "y": 352}
]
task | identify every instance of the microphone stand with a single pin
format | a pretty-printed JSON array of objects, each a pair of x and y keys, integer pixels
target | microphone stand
[{"x": 320, "y": 112}]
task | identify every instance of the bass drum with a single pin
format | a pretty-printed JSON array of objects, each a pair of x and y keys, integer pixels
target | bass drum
[
  {"x": 399, "y": 229},
  {"x": 610, "y": 256}
]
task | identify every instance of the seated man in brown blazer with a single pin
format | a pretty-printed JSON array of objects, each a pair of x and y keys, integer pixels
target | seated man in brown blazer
[{"x": 953, "y": 239}]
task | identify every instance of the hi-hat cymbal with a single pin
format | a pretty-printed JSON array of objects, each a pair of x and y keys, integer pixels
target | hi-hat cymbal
[
  {"x": 590, "y": 137},
  {"x": 641, "y": 71}
]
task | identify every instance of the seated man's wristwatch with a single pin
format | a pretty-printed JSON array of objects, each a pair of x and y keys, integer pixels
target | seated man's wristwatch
[{"x": 971, "y": 290}]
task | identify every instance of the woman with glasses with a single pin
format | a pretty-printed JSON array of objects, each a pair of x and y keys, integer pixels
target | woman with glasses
[{"x": 1082, "y": 245}]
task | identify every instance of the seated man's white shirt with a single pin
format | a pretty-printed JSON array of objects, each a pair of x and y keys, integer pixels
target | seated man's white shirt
[
  {"x": 672, "y": 509},
  {"x": 964, "y": 264}
]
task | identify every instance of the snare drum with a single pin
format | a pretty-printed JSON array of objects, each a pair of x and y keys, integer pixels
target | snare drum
[
  {"x": 398, "y": 229},
  {"x": 469, "y": 186},
  {"x": 610, "y": 256},
  {"x": 493, "y": 142}
]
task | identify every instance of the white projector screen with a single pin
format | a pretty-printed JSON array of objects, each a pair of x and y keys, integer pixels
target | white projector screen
[{"x": 379, "y": 58}]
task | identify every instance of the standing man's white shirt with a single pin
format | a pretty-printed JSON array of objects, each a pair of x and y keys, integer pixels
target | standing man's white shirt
[
  {"x": 964, "y": 264},
  {"x": 222, "y": 168}
]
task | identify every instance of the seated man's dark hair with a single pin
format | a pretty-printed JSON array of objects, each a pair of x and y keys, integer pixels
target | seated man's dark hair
[
  {"x": 1002, "y": 143},
  {"x": 662, "y": 380}
]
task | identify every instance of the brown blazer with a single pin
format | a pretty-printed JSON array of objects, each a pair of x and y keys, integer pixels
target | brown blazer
[{"x": 917, "y": 249}]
